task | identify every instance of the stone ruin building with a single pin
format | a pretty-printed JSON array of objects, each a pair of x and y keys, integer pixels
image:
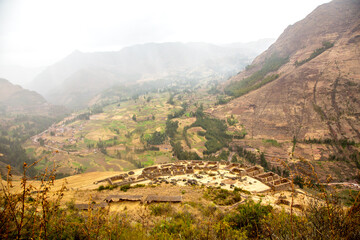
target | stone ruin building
[{"x": 183, "y": 167}]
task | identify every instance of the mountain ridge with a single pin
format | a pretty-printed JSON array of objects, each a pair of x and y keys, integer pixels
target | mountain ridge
[
  {"x": 16, "y": 100},
  {"x": 134, "y": 63}
]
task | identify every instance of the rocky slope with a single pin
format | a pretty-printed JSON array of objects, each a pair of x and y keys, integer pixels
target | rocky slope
[{"x": 306, "y": 85}]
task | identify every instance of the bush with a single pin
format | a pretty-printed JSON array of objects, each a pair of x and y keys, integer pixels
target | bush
[
  {"x": 249, "y": 216},
  {"x": 124, "y": 188},
  {"x": 161, "y": 209},
  {"x": 222, "y": 197},
  {"x": 156, "y": 138},
  {"x": 108, "y": 187}
]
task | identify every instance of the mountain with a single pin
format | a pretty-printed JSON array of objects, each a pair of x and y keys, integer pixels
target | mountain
[
  {"x": 16, "y": 100},
  {"x": 67, "y": 82},
  {"x": 305, "y": 85}
]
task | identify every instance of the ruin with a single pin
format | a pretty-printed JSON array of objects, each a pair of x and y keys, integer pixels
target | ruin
[
  {"x": 120, "y": 198},
  {"x": 85, "y": 206},
  {"x": 207, "y": 173},
  {"x": 280, "y": 184},
  {"x": 253, "y": 171},
  {"x": 157, "y": 198},
  {"x": 267, "y": 177},
  {"x": 238, "y": 171}
]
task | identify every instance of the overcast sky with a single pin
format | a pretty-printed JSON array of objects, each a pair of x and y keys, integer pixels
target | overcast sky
[{"x": 41, "y": 32}]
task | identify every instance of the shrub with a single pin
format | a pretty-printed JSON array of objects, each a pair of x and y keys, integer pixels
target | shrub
[
  {"x": 156, "y": 138},
  {"x": 249, "y": 216},
  {"x": 124, "y": 188},
  {"x": 222, "y": 197},
  {"x": 108, "y": 187},
  {"x": 161, "y": 209}
]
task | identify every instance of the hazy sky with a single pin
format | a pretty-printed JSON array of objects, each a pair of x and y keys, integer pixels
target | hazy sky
[{"x": 41, "y": 32}]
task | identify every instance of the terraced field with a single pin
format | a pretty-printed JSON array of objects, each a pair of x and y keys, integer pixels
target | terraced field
[{"x": 116, "y": 138}]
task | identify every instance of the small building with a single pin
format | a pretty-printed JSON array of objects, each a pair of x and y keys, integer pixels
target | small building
[
  {"x": 253, "y": 171},
  {"x": 280, "y": 184},
  {"x": 238, "y": 171},
  {"x": 267, "y": 177}
]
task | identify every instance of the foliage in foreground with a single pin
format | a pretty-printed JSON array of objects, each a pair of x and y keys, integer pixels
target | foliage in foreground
[{"x": 37, "y": 214}]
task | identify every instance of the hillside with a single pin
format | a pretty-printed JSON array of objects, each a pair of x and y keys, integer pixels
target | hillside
[
  {"x": 15, "y": 99},
  {"x": 206, "y": 202},
  {"x": 305, "y": 86},
  {"x": 61, "y": 82},
  {"x": 23, "y": 113}
]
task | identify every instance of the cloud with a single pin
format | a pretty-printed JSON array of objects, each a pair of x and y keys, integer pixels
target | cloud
[{"x": 41, "y": 31}]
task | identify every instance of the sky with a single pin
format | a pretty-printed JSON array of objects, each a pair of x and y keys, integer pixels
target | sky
[{"x": 37, "y": 33}]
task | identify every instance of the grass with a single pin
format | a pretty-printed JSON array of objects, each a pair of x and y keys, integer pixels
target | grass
[
  {"x": 222, "y": 197},
  {"x": 161, "y": 209},
  {"x": 148, "y": 163},
  {"x": 272, "y": 142}
]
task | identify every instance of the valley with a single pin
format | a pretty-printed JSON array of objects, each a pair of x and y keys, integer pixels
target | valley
[
  {"x": 118, "y": 138},
  {"x": 190, "y": 140}
]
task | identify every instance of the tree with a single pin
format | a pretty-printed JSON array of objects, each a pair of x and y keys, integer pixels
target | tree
[
  {"x": 171, "y": 128},
  {"x": 41, "y": 141}
]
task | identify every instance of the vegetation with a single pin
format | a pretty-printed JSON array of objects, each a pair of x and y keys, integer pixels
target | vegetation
[
  {"x": 343, "y": 142},
  {"x": 14, "y": 132},
  {"x": 221, "y": 100},
  {"x": 183, "y": 155},
  {"x": 171, "y": 128},
  {"x": 216, "y": 136},
  {"x": 178, "y": 113},
  {"x": 231, "y": 120},
  {"x": 222, "y": 197},
  {"x": 156, "y": 138},
  {"x": 317, "y": 52},
  {"x": 257, "y": 79},
  {"x": 272, "y": 142},
  {"x": 253, "y": 157},
  {"x": 161, "y": 209},
  {"x": 13, "y": 154},
  {"x": 35, "y": 215}
]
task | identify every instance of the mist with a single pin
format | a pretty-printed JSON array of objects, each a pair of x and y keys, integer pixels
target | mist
[{"x": 40, "y": 33}]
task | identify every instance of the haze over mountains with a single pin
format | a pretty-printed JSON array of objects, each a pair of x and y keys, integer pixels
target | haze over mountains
[
  {"x": 16, "y": 100},
  {"x": 80, "y": 76}
]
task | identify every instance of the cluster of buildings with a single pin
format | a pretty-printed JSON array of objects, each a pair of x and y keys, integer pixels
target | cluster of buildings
[{"x": 189, "y": 169}]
